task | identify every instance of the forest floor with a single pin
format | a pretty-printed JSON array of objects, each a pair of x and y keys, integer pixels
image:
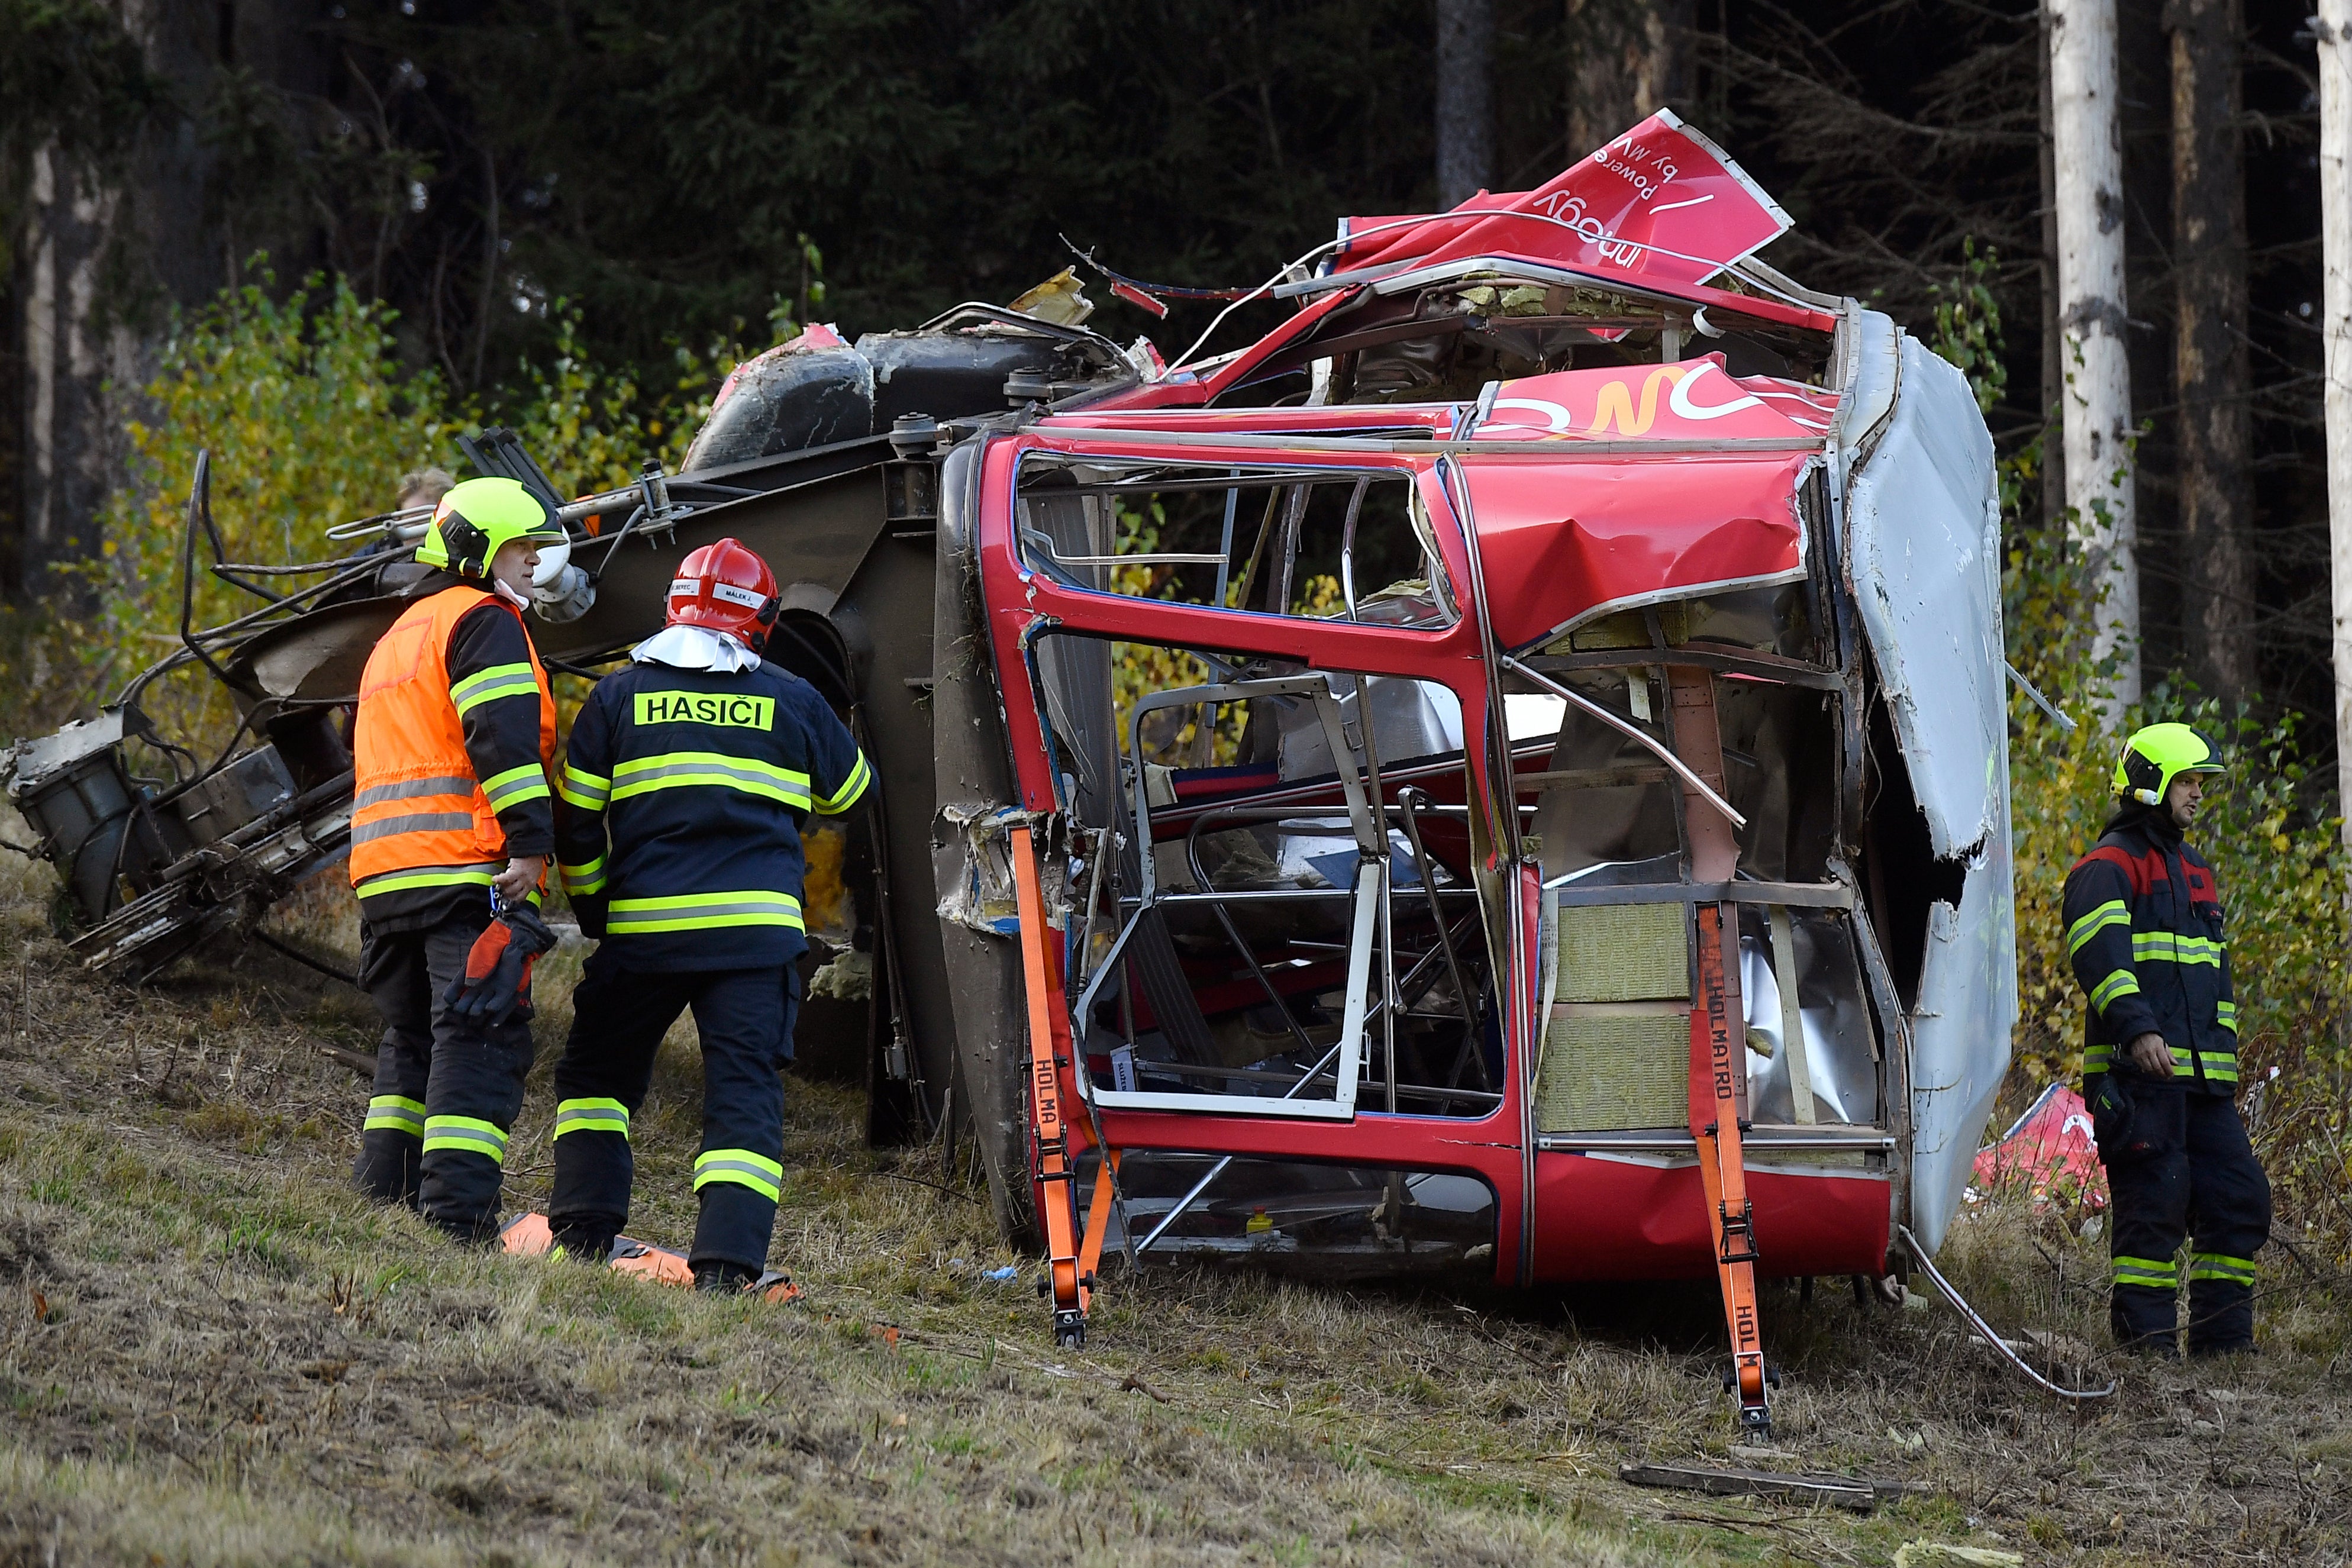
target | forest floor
[{"x": 212, "y": 1352}]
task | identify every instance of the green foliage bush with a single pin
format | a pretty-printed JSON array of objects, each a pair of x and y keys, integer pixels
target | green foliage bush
[
  {"x": 2270, "y": 831},
  {"x": 311, "y": 417}
]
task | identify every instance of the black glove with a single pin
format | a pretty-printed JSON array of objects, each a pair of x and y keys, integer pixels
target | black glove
[{"x": 497, "y": 982}]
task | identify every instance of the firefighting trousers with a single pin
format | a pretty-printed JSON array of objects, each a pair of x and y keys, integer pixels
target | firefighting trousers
[
  {"x": 447, "y": 1091},
  {"x": 2178, "y": 1166},
  {"x": 619, "y": 1016}
]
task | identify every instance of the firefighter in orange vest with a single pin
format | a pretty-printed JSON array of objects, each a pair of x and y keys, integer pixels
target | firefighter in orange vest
[{"x": 452, "y": 825}]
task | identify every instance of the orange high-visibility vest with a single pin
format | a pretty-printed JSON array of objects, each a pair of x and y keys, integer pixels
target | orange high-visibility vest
[{"x": 420, "y": 819}]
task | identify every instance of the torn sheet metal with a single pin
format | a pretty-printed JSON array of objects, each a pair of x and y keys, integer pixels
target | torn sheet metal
[
  {"x": 1563, "y": 540},
  {"x": 979, "y": 891},
  {"x": 1923, "y": 520},
  {"x": 1660, "y": 201}
]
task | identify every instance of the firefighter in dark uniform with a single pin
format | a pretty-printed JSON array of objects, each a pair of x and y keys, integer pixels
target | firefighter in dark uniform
[
  {"x": 686, "y": 779},
  {"x": 2161, "y": 1061},
  {"x": 452, "y": 749}
]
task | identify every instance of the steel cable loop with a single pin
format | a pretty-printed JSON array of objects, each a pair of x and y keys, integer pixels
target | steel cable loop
[{"x": 1976, "y": 1321}]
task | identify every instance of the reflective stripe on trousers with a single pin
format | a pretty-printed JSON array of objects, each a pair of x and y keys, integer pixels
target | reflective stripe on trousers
[
  {"x": 593, "y": 1115},
  {"x": 743, "y": 1168},
  {"x": 396, "y": 1113},
  {"x": 466, "y": 1134}
]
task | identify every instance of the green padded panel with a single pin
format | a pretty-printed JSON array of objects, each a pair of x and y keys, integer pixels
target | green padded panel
[
  {"x": 1623, "y": 953},
  {"x": 1607, "y": 1074}
]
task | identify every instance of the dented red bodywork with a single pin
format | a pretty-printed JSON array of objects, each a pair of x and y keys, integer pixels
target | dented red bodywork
[
  {"x": 1561, "y": 539},
  {"x": 1593, "y": 490}
]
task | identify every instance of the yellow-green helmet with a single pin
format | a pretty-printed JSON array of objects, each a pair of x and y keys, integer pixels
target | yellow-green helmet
[
  {"x": 2156, "y": 755},
  {"x": 475, "y": 519}
]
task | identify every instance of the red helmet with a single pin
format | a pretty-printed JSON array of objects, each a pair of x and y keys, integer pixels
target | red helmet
[{"x": 728, "y": 588}]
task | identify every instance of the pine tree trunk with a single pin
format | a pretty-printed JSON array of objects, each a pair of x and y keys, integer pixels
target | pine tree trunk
[
  {"x": 1628, "y": 60},
  {"x": 2212, "y": 373},
  {"x": 72, "y": 355},
  {"x": 2087, "y": 148},
  {"x": 1465, "y": 99}
]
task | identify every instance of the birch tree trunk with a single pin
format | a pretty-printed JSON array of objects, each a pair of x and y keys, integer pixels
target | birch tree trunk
[
  {"x": 2087, "y": 156},
  {"x": 2211, "y": 372},
  {"x": 2334, "y": 25},
  {"x": 1465, "y": 99}
]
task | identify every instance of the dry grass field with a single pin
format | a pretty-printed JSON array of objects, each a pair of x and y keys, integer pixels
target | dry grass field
[{"x": 211, "y": 1351}]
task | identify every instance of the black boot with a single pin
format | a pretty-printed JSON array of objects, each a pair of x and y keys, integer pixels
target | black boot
[
  {"x": 731, "y": 1279},
  {"x": 390, "y": 1167}
]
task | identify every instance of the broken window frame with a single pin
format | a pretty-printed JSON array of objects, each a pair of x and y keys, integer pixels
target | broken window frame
[
  {"x": 1372, "y": 894},
  {"x": 1837, "y": 893}
]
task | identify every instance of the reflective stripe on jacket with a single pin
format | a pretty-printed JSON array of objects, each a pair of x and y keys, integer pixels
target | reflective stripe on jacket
[
  {"x": 686, "y": 790},
  {"x": 2144, "y": 934},
  {"x": 424, "y": 817}
]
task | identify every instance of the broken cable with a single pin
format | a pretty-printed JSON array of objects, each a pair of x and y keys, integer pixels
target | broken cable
[
  {"x": 1959, "y": 1305},
  {"x": 1170, "y": 290},
  {"x": 2057, "y": 714},
  {"x": 1681, "y": 769},
  {"x": 331, "y": 971}
]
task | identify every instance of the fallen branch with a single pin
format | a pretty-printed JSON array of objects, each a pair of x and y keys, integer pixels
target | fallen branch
[
  {"x": 1134, "y": 1384},
  {"x": 1837, "y": 1491},
  {"x": 360, "y": 1062}
]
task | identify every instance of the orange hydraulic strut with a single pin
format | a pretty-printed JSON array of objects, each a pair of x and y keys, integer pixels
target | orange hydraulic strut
[
  {"x": 1069, "y": 1283},
  {"x": 1715, "y": 1069}
]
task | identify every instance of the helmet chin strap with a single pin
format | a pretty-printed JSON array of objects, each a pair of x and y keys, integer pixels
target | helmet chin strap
[{"x": 498, "y": 587}]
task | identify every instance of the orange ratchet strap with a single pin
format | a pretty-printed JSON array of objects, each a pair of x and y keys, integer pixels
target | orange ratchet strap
[
  {"x": 1718, "y": 1047},
  {"x": 1069, "y": 1283},
  {"x": 1714, "y": 1122}
]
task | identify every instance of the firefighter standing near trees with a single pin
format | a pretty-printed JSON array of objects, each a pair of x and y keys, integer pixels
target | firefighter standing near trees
[
  {"x": 687, "y": 777},
  {"x": 451, "y": 825},
  {"x": 2161, "y": 1061}
]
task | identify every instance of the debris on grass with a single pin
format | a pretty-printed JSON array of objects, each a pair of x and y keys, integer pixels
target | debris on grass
[{"x": 1834, "y": 1491}]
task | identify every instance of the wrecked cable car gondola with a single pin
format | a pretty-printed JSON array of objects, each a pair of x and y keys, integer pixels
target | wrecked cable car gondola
[{"x": 1508, "y": 769}]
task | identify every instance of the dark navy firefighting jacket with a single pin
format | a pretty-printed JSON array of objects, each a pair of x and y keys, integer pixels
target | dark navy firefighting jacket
[
  {"x": 685, "y": 791},
  {"x": 2144, "y": 930}
]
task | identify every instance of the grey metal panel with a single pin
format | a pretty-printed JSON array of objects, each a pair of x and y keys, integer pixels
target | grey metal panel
[
  {"x": 885, "y": 617},
  {"x": 1922, "y": 518},
  {"x": 971, "y": 765},
  {"x": 818, "y": 533}
]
